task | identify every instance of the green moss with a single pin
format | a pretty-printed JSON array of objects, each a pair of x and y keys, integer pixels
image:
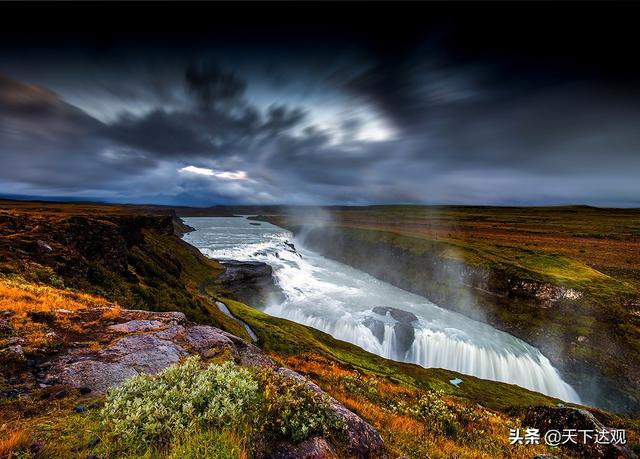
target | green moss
[
  {"x": 284, "y": 337},
  {"x": 521, "y": 263}
]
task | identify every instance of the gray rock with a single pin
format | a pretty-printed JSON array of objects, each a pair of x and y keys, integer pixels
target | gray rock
[
  {"x": 311, "y": 448},
  {"x": 145, "y": 353},
  {"x": 5, "y": 327},
  {"x": 93, "y": 374},
  {"x": 404, "y": 331},
  {"x": 137, "y": 326},
  {"x": 205, "y": 339},
  {"x": 249, "y": 354},
  {"x": 169, "y": 333},
  {"x": 376, "y": 326},
  {"x": 171, "y": 317},
  {"x": 403, "y": 337},
  {"x": 362, "y": 439},
  {"x": 404, "y": 317}
]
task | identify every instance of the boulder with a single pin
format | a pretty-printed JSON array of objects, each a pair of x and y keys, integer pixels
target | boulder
[
  {"x": 548, "y": 418},
  {"x": 404, "y": 332},
  {"x": 311, "y": 448},
  {"x": 170, "y": 317},
  {"x": 403, "y": 337},
  {"x": 92, "y": 374},
  {"x": 145, "y": 353},
  {"x": 205, "y": 339},
  {"x": 362, "y": 439},
  {"x": 404, "y": 317},
  {"x": 137, "y": 326},
  {"x": 376, "y": 326}
]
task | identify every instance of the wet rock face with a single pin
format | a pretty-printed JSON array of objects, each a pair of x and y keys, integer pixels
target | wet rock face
[
  {"x": 376, "y": 326},
  {"x": 404, "y": 317},
  {"x": 548, "y": 418},
  {"x": 404, "y": 333},
  {"x": 251, "y": 282}
]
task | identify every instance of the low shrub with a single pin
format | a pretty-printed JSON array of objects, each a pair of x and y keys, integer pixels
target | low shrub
[
  {"x": 149, "y": 410},
  {"x": 166, "y": 411},
  {"x": 293, "y": 410}
]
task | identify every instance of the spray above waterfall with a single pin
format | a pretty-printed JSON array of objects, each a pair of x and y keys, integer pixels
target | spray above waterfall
[{"x": 382, "y": 319}]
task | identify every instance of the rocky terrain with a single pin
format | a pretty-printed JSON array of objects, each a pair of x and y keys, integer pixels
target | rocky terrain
[
  {"x": 123, "y": 343},
  {"x": 249, "y": 281}
]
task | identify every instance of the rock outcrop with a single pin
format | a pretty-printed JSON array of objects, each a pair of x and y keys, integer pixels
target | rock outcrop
[
  {"x": 546, "y": 418},
  {"x": 130, "y": 342},
  {"x": 404, "y": 333},
  {"x": 250, "y": 282}
]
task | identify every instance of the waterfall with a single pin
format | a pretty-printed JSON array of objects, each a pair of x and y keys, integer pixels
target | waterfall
[{"x": 352, "y": 306}]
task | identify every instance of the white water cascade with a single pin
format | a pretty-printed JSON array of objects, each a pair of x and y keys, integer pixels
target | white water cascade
[{"x": 340, "y": 300}]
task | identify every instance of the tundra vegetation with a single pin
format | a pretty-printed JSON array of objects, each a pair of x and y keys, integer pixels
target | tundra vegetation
[{"x": 53, "y": 259}]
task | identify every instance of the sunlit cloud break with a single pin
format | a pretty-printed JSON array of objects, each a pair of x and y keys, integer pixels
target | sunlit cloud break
[{"x": 227, "y": 175}]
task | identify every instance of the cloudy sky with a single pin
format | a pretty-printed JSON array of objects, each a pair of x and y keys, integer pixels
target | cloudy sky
[{"x": 322, "y": 103}]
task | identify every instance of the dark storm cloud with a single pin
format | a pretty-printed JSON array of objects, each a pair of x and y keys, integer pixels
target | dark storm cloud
[
  {"x": 456, "y": 111},
  {"x": 211, "y": 85}
]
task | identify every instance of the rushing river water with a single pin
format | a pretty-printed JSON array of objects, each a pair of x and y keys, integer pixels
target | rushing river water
[{"x": 339, "y": 300}]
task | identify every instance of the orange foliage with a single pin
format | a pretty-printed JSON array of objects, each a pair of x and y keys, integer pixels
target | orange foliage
[
  {"x": 14, "y": 441},
  {"x": 21, "y": 298},
  {"x": 484, "y": 438}
]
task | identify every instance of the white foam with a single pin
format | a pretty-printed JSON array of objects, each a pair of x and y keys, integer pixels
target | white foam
[{"x": 337, "y": 299}]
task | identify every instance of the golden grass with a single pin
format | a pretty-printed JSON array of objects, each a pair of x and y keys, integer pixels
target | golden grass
[
  {"x": 26, "y": 297},
  {"x": 12, "y": 441},
  {"x": 23, "y": 300},
  {"x": 484, "y": 438}
]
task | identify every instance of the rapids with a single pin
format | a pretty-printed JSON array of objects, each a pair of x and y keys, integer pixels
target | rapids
[{"x": 339, "y": 300}]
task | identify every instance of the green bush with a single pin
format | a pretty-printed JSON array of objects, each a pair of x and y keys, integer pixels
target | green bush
[
  {"x": 360, "y": 385},
  {"x": 148, "y": 410},
  {"x": 167, "y": 411},
  {"x": 293, "y": 410}
]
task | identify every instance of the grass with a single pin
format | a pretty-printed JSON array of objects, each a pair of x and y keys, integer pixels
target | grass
[
  {"x": 602, "y": 239},
  {"x": 163, "y": 273},
  {"x": 29, "y": 310},
  {"x": 283, "y": 338}
]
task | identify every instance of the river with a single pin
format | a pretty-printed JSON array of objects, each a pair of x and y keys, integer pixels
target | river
[{"x": 340, "y": 300}]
